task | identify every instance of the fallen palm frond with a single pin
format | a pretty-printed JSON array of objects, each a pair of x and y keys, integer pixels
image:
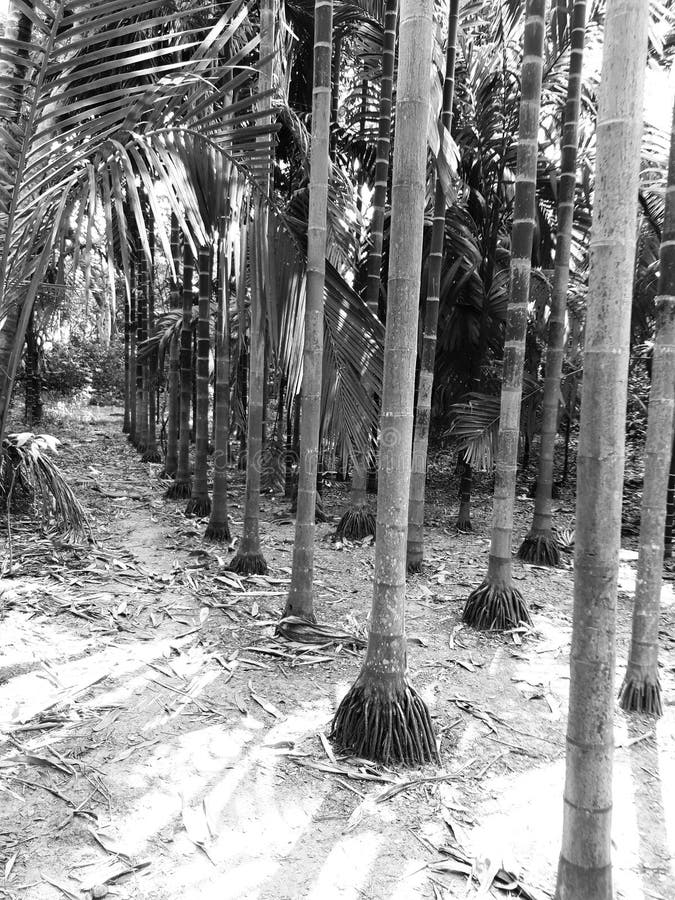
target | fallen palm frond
[
  {"x": 296, "y": 629},
  {"x": 25, "y": 465}
]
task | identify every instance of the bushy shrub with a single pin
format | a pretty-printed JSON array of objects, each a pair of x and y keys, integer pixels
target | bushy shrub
[{"x": 82, "y": 365}]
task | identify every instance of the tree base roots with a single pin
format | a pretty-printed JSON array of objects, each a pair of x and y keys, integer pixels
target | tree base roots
[
  {"x": 414, "y": 566},
  {"x": 389, "y": 727},
  {"x": 463, "y": 524},
  {"x": 494, "y": 608},
  {"x": 179, "y": 490},
  {"x": 640, "y": 694},
  {"x": 248, "y": 564},
  {"x": 199, "y": 507},
  {"x": 165, "y": 473},
  {"x": 152, "y": 456},
  {"x": 217, "y": 531},
  {"x": 540, "y": 548},
  {"x": 357, "y": 523}
]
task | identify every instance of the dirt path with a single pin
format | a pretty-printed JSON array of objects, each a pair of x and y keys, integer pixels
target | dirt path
[{"x": 156, "y": 742}]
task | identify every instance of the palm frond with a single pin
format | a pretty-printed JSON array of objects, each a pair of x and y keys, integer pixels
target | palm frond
[{"x": 26, "y": 466}]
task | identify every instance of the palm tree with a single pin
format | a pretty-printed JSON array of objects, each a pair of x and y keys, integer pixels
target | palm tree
[
  {"x": 199, "y": 503},
  {"x": 373, "y": 284},
  {"x": 382, "y": 717},
  {"x": 358, "y": 522},
  {"x": 641, "y": 688},
  {"x": 218, "y": 528},
  {"x": 540, "y": 545},
  {"x": 173, "y": 387},
  {"x": 300, "y": 601},
  {"x": 415, "y": 548},
  {"x": 182, "y": 484},
  {"x": 585, "y": 868},
  {"x": 152, "y": 453},
  {"x": 92, "y": 114},
  {"x": 249, "y": 558},
  {"x": 497, "y": 604},
  {"x": 141, "y": 442}
]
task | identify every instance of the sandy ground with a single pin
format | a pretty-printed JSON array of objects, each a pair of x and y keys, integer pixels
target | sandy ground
[{"x": 157, "y": 742}]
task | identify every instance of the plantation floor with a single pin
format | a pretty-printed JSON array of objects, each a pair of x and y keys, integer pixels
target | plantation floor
[{"x": 157, "y": 742}]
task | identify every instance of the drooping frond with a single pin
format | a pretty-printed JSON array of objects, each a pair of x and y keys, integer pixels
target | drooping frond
[{"x": 27, "y": 469}]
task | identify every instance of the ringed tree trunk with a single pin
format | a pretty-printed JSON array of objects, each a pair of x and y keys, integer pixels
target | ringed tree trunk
[
  {"x": 141, "y": 365},
  {"x": 218, "y": 528},
  {"x": 463, "y": 522},
  {"x": 382, "y": 717},
  {"x": 300, "y": 601},
  {"x": 33, "y": 376},
  {"x": 382, "y": 156},
  {"x": 173, "y": 417},
  {"x": 670, "y": 507},
  {"x": 540, "y": 545},
  {"x": 585, "y": 868},
  {"x": 641, "y": 688},
  {"x": 182, "y": 485},
  {"x": 126, "y": 427},
  {"x": 497, "y": 604},
  {"x": 358, "y": 522},
  {"x": 131, "y": 383},
  {"x": 199, "y": 503},
  {"x": 152, "y": 453},
  {"x": 249, "y": 559},
  {"x": 415, "y": 547}
]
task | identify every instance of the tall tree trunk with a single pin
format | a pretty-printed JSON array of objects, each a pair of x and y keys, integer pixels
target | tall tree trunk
[
  {"x": 463, "y": 522},
  {"x": 182, "y": 485},
  {"x": 11, "y": 338},
  {"x": 540, "y": 545},
  {"x": 126, "y": 427},
  {"x": 141, "y": 365},
  {"x": 300, "y": 600},
  {"x": 33, "y": 376},
  {"x": 199, "y": 503},
  {"x": 382, "y": 717},
  {"x": 497, "y": 604},
  {"x": 585, "y": 869},
  {"x": 218, "y": 528},
  {"x": 415, "y": 548},
  {"x": 358, "y": 522},
  {"x": 152, "y": 453},
  {"x": 670, "y": 508},
  {"x": 382, "y": 156},
  {"x": 641, "y": 688},
  {"x": 133, "y": 326},
  {"x": 249, "y": 559},
  {"x": 173, "y": 416}
]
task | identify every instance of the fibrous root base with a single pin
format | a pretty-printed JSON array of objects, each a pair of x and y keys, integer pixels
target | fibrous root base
[
  {"x": 198, "y": 506},
  {"x": 217, "y": 531},
  {"x": 179, "y": 490},
  {"x": 248, "y": 564},
  {"x": 540, "y": 548},
  {"x": 641, "y": 694},
  {"x": 495, "y": 607},
  {"x": 357, "y": 523},
  {"x": 387, "y": 727}
]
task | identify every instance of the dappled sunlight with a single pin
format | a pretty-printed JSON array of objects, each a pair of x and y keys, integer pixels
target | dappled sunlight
[
  {"x": 225, "y": 788},
  {"x": 346, "y": 869}
]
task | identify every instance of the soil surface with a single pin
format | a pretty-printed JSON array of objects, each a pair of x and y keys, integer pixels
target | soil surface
[{"x": 158, "y": 742}]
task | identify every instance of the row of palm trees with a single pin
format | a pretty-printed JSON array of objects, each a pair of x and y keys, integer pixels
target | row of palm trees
[{"x": 194, "y": 156}]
